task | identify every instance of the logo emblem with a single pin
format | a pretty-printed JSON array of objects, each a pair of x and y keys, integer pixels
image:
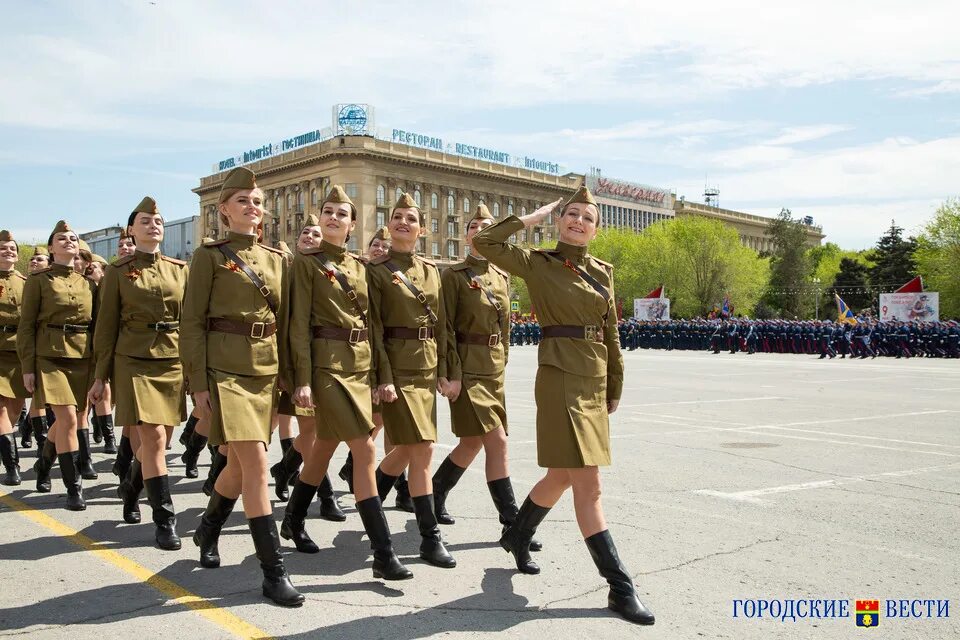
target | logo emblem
[
  {"x": 352, "y": 120},
  {"x": 868, "y": 613}
]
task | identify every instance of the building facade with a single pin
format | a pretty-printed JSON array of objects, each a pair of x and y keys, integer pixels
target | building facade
[
  {"x": 754, "y": 230},
  {"x": 180, "y": 238},
  {"x": 628, "y": 205},
  {"x": 374, "y": 172}
]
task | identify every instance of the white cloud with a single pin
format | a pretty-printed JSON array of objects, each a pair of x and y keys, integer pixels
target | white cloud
[{"x": 795, "y": 135}]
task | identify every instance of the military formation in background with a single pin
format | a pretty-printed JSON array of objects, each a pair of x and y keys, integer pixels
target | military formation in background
[
  {"x": 348, "y": 346},
  {"x": 824, "y": 338}
]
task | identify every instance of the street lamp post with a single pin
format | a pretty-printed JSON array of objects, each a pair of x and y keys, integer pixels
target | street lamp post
[{"x": 816, "y": 282}]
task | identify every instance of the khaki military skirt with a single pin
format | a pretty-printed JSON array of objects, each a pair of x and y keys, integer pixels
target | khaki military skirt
[
  {"x": 11, "y": 376},
  {"x": 343, "y": 403},
  {"x": 242, "y": 407},
  {"x": 412, "y": 417},
  {"x": 148, "y": 391},
  {"x": 479, "y": 408},
  {"x": 573, "y": 428},
  {"x": 64, "y": 381},
  {"x": 285, "y": 406}
]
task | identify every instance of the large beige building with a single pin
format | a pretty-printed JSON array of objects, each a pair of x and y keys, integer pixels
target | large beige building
[{"x": 754, "y": 230}]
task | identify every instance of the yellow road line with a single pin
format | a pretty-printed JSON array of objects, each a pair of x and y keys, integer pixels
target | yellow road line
[{"x": 220, "y": 617}]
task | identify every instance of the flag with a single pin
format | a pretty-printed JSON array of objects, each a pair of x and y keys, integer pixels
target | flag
[
  {"x": 725, "y": 311},
  {"x": 656, "y": 293},
  {"x": 914, "y": 286},
  {"x": 843, "y": 312}
]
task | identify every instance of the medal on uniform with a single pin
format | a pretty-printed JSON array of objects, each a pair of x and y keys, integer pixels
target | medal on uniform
[
  {"x": 2, "y": 289},
  {"x": 133, "y": 273},
  {"x": 475, "y": 284},
  {"x": 397, "y": 280},
  {"x": 331, "y": 275},
  {"x": 232, "y": 266},
  {"x": 571, "y": 266}
]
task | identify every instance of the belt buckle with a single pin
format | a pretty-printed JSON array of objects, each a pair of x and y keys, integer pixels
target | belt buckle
[
  {"x": 354, "y": 336},
  {"x": 264, "y": 291},
  {"x": 261, "y": 326},
  {"x": 493, "y": 340},
  {"x": 160, "y": 327},
  {"x": 590, "y": 332},
  {"x": 423, "y": 333}
]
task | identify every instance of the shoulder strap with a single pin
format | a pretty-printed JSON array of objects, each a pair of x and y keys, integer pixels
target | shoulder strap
[
  {"x": 230, "y": 254},
  {"x": 419, "y": 295},
  {"x": 344, "y": 283},
  {"x": 589, "y": 279},
  {"x": 473, "y": 279}
]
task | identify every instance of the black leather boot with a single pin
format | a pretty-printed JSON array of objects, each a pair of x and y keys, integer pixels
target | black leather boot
[
  {"x": 516, "y": 539},
  {"x": 11, "y": 459},
  {"x": 431, "y": 545},
  {"x": 329, "y": 507},
  {"x": 281, "y": 472},
  {"x": 26, "y": 433},
  {"x": 43, "y": 465},
  {"x": 70, "y": 472},
  {"x": 207, "y": 534},
  {"x": 191, "y": 455},
  {"x": 623, "y": 596},
  {"x": 87, "y": 472},
  {"x": 276, "y": 582},
  {"x": 188, "y": 429},
  {"x": 40, "y": 428},
  {"x": 124, "y": 455},
  {"x": 446, "y": 478},
  {"x": 346, "y": 471},
  {"x": 218, "y": 462},
  {"x": 386, "y": 564},
  {"x": 384, "y": 484},
  {"x": 294, "y": 518},
  {"x": 95, "y": 429},
  {"x": 403, "y": 502},
  {"x": 502, "y": 493},
  {"x": 164, "y": 517},
  {"x": 106, "y": 428},
  {"x": 129, "y": 491}
]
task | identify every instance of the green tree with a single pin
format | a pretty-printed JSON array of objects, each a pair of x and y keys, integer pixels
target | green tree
[
  {"x": 893, "y": 260},
  {"x": 824, "y": 261},
  {"x": 851, "y": 285},
  {"x": 938, "y": 257},
  {"x": 789, "y": 267}
]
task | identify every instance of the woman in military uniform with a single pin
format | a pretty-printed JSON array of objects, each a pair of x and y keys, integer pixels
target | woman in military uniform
[
  {"x": 136, "y": 346},
  {"x": 330, "y": 314},
  {"x": 286, "y": 471},
  {"x": 409, "y": 341},
  {"x": 475, "y": 295},
  {"x": 579, "y": 381},
  {"x": 37, "y": 416},
  {"x": 126, "y": 246},
  {"x": 54, "y": 346},
  {"x": 102, "y": 419},
  {"x": 233, "y": 344},
  {"x": 12, "y": 391}
]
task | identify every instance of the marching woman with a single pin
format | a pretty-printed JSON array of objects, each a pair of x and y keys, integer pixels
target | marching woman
[
  {"x": 37, "y": 415},
  {"x": 409, "y": 341},
  {"x": 55, "y": 347},
  {"x": 102, "y": 419},
  {"x": 476, "y": 300},
  {"x": 136, "y": 347},
  {"x": 126, "y": 246},
  {"x": 233, "y": 344},
  {"x": 330, "y": 314},
  {"x": 579, "y": 381},
  {"x": 12, "y": 391}
]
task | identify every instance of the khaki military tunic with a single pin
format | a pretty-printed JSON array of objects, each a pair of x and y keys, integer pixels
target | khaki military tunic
[
  {"x": 481, "y": 405},
  {"x": 11, "y": 295},
  {"x": 60, "y": 358},
  {"x": 240, "y": 371},
  {"x": 412, "y": 366},
  {"x": 576, "y": 376},
  {"x": 137, "y": 338},
  {"x": 338, "y": 371}
]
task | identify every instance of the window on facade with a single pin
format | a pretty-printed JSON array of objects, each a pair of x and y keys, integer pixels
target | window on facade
[
  {"x": 398, "y": 195},
  {"x": 352, "y": 243},
  {"x": 352, "y": 190},
  {"x": 422, "y": 245},
  {"x": 451, "y": 205},
  {"x": 523, "y": 211},
  {"x": 289, "y": 201},
  {"x": 451, "y": 228},
  {"x": 416, "y": 196},
  {"x": 435, "y": 248},
  {"x": 434, "y": 201},
  {"x": 466, "y": 205},
  {"x": 276, "y": 204},
  {"x": 435, "y": 228},
  {"x": 301, "y": 197},
  {"x": 313, "y": 197},
  {"x": 381, "y": 218},
  {"x": 536, "y": 237},
  {"x": 496, "y": 209},
  {"x": 510, "y": 208},
  {"x": 381, "y": 195},
  {"x": 451, "y": 249}
]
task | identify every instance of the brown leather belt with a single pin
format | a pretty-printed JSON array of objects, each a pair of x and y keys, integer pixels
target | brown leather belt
[
  {"x": 8, "y": 328},
  {"x": 488, "y": 340},
  {"x": 406, "y": 333},
  {"x": 352, "y": 336},
  {"x": 591, "y": 332},
  {"x": 250, "y": 329},
  {"x": 159, "y": 327},
  {"x": 70, "y": 328}
]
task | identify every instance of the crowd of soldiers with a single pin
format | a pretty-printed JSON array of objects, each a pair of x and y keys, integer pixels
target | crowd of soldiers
[
  {"x": 825, "y": 338},
  {"x": 524, "y": 332}
]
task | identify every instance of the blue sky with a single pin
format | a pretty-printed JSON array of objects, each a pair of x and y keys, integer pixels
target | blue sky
[{"x": 848, "y": 113}]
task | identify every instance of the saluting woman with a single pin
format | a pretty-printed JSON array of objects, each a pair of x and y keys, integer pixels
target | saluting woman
[
  {"x": 476, "y": 300},
  {"x": 579, "y": 382},
  {"x": 233, "y": 344},
  {"x": 12, "y": 391},
  {"x": 136, "y": 346},
  {"x": 54, "y": 343},
  {"x": 330, "y": 311},
  {"x": 409, "y": 340}
]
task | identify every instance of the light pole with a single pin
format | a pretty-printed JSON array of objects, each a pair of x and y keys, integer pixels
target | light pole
[{"x": 816, "y": 282}]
